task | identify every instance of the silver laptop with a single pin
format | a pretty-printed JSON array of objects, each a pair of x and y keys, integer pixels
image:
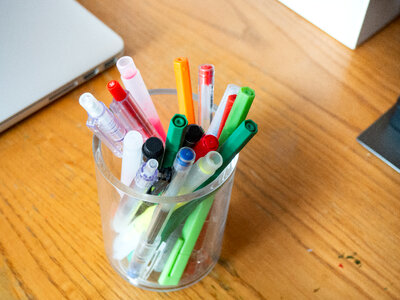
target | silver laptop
[{"x": 47, "y": 48}]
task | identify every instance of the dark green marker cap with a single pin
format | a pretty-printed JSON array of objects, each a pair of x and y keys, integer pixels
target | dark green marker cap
[{"x": 176, "y": 129}]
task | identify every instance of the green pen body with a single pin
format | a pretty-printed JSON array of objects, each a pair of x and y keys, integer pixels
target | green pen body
[
  {"x": 198, "y": 209},
  {"x": 173, "y": 142},
  {"x": 238, "y": 113}
]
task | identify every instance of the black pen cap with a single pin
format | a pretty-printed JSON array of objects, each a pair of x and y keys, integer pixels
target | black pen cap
[
  {"x": 193, "y": 134},
  {"x": 153, "y": 148}
]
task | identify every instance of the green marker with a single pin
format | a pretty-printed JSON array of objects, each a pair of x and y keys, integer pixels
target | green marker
[
  {"x": 198, "y": 209},
  {"x": 176, "y": 128},
  {"x": 238, "y": 113}
]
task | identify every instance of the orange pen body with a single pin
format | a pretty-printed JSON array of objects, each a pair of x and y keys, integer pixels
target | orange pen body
[{"x": 184, "y": 88}]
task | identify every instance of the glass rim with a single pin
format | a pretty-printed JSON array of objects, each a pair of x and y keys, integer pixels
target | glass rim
[{"x": 113, "y": 180}]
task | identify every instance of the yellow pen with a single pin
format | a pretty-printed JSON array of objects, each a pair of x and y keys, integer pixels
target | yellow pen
[{"x": 184, "y": 88}]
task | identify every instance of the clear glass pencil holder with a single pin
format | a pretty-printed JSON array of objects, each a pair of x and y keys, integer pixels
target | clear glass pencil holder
[{"x": 189, "y": 248}]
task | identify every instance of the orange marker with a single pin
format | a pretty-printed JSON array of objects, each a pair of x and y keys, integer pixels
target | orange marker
[{"x": 184, "y": 88}]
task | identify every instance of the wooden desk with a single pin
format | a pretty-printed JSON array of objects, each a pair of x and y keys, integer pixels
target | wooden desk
[{"x": 305, "y": 191}]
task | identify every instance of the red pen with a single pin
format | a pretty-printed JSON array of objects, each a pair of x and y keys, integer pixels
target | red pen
[
  {"x": 126, "y": 109},
  {"x": 229, "y": 103},
  {"x": 206, "y": 144}
]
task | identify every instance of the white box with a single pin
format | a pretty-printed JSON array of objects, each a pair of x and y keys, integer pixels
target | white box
[{"x": 351, "y": 22}]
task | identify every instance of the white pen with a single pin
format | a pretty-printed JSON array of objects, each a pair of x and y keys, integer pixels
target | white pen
[
  {"x": 131, "y": 156},
  {"x": 231, "y": 89}
]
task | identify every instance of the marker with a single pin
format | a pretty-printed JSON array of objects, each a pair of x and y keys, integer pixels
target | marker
[
  {"x": 231, "y": 89},
  {"x": 151, "y": 240},
  {"x": 133, "y": 81},
  {"x": 206, "y": 144},
  {"x": 125, "y": 107},
  {"x": 227, "y": 110},
  {"x": 206, "y": 94},
  {"x": 184, "y": 88},
  {"x": 238, "y": 112},
  {"x": 131, "y": 156},
  {"x": 176, "y": 128},
  {"x": 198, "y": 209},
  {"x": 153, "y": 148},
  {"x": 193, "y": 134},
  {"x": 103, "y": 123}
]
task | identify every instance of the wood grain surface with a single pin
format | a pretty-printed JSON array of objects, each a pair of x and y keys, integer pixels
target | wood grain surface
[{"x": 305, "y": 191}]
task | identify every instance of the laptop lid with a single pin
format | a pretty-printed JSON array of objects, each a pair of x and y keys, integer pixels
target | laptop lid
[{"x": 46, "y": 49}]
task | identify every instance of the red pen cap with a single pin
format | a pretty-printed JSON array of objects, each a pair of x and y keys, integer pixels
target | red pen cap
[
  {"x": 227, "y": 110},
  {"x": 116, "y": 90},
  {"x": 206, "y": 74},
  {"x": 206, "y": 144}
]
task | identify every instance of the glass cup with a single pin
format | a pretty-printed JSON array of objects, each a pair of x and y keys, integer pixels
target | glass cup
[{"x": 191, "y": 242}]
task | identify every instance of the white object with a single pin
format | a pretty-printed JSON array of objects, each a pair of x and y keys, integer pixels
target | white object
[
  {"x": 133, "y": 82},
  {"x": 131, "y": 156},
  {"x": 351, "y": 22},
  {"x": 231, "y": 89},
  {"x": 48, "y": 48},
  {"x": 203, "y": 169}
]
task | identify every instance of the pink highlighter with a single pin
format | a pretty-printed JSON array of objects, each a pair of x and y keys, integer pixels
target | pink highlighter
[
  {"x": 127, "y": 110},
  {"x": 133, "y": 82}
]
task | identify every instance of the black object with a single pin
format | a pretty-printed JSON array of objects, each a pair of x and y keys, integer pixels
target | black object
[
  {"x": 164, "y": 178},
  {"x": 382, "y": 138},
  {"x": 193, "y": 134},
  {"x": 153, "y": 148}
]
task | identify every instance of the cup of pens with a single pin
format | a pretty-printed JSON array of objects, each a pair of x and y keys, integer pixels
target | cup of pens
[{"x": 164, "y": 197}]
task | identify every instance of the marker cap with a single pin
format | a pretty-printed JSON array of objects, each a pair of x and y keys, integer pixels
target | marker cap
[
  {"x": 153, "y": 148},
  {"x": 91, "y": 105},
  {"x": 126, "y": 67},
  {"x": 192, "y": 135},
  {"x": 116, "y": 90},
  {"x": 206, "y": 144}
]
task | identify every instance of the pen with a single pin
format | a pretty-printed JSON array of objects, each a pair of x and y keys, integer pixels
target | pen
[
  {"x": 131, "y": 156},
  {"x": 145, "y": 177},
  {"x": 183, "y": 248},
  {"x": 103, "y": 123},
  {"x": 193, "y": 134},
  {"x": 125, "y": 107},
  {"x": 184, "y": 88},
  {"x": 151, "y": 239},
  {"x": 173, "y": 142},
  {"x": 134, "y": 83},
  {"x": 153, "y": 148},
  {"x": 206, "y": 144},
  {"x": 206, "y": 94},
  {"x": 238, "y": 113},
  {"x": 227, "y": 110},
  {"x": 231, "y": 89}
]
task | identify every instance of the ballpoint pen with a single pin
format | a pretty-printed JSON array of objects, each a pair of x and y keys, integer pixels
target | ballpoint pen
[
  {"x": 206, "y": 95},
  {"x": 151, "y": 238},
  {"x": 134, "y": 83},
  {"x": 153, "y": 148},
  {"x": 184, "y": 88},
  {"x": 103, "y": 123},
  {"x": 173, "y": 142},
  {"x": 183, "y": 248},
  {"x": 145, "y": 177},
  {"x": 231, "y": 89},
  {"x": 206, "y": 144},
  {"x": 193, "y": 134},
  {"x": 131, "y": 156},
  {"x": 227, "y": 110},
  {"x": 126, "y": 108},
  {"x": 238, "y": 113}
]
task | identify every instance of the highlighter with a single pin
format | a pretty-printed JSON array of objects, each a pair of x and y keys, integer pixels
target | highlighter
[
  {"x": 176, "y": 128},
  {"x": 184, "y": 88}
]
